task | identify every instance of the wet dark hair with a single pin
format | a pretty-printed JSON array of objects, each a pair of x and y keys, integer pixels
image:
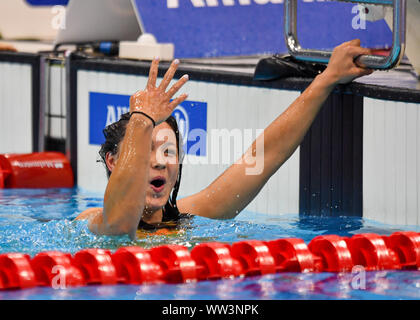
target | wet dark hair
[{"x": 114, "y": 133}]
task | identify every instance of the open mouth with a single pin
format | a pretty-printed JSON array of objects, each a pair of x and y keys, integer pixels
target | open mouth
[{"x": 158, "y": 184}]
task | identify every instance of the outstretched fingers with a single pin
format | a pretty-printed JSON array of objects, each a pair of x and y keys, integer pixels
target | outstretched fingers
[
  {"x": 169, "y": 75},
  {"x": 174, "y": 89},
  {"x": 153, "y": 73},
  {"x": 172, "y": 105}
]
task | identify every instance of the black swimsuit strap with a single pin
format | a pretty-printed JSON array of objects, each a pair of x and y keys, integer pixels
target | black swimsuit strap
[
  {"x": 148, "y": 226},
  {"x": 166, "y": 222},
  {"x": 170, "y": 215}
]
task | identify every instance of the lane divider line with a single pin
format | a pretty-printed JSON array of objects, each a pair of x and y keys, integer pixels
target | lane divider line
[{"x": 211, "y": 261}]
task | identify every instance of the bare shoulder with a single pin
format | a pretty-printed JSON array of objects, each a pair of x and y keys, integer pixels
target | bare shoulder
[
  {"x": 195, "y": 204},
  {"x": 187, "y": 205},
  {"x": 89, "y": 213}
]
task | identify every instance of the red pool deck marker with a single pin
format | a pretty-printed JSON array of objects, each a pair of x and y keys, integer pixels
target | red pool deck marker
[
  {"x": 3, "y": 176},
  {"x": 213, "y": 260},
  {"x": 35, "y": 170}
]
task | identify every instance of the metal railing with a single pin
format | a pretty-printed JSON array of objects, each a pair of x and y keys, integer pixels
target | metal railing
[{"x": 370, "y": 61}]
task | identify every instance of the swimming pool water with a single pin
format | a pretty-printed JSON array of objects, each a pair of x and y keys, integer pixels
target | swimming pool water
[{"x": 32, "y": 221}]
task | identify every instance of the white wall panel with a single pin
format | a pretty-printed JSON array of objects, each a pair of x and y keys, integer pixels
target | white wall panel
[
  {"x": 55, "y": 109},
  {"x": 15, "y": 108},
  {"x": 391, "y": 162},
  {"x": 57, "y": 90},
  {"x": 228, "y": 106}
]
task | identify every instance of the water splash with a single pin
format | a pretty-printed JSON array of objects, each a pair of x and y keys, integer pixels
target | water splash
[{"x": 32, "y": 221}]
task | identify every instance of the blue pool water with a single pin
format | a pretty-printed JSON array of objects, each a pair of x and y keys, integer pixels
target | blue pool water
[{"x": 32, "y": 221}]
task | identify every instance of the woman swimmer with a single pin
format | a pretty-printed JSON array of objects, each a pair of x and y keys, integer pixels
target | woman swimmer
[{"x": 146, "y": 168}]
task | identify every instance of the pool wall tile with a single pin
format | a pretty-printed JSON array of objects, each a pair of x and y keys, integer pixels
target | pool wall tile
[
  {"x": 16, "y": 107},
  {"x": 391, "y": 161}
]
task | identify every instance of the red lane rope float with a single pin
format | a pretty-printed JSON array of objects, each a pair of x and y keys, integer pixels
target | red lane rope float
[
  {"x": 370, "y": 251},
  {"x": 134, "y": 265},
  {"x": 406, "y": 245},
  {"x": 213, "y": 260},
  {"x": 47, "y": 265},
  {"x": 96, "y": 266},
  {"x": 175, "y": 262},
  {"x": 16, "y": 271},
  {"x": 254, "y": 257},
  {"x": 331, "y": 254},
  {"x": 291, "y": 255}
]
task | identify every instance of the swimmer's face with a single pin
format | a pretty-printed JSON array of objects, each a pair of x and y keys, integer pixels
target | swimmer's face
[{"x": 164, "y": 166}]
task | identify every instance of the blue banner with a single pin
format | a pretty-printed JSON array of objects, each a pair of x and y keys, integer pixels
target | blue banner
[
  {"x": 211, "y": 28},
  {"x": 191, "y": 116},
  {"x": 47, "y": 2}
]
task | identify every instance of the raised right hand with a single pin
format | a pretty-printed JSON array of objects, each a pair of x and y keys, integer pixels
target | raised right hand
[
  {"x": 342, "y": 67},
  {"x": 155, "y": 101}
]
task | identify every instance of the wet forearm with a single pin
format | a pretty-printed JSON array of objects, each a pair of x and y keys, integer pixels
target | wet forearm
[
  {"x": 284, "y": 134},
  {"x": 239, "y": 184},
  {"x": 125, "y": 194}
]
